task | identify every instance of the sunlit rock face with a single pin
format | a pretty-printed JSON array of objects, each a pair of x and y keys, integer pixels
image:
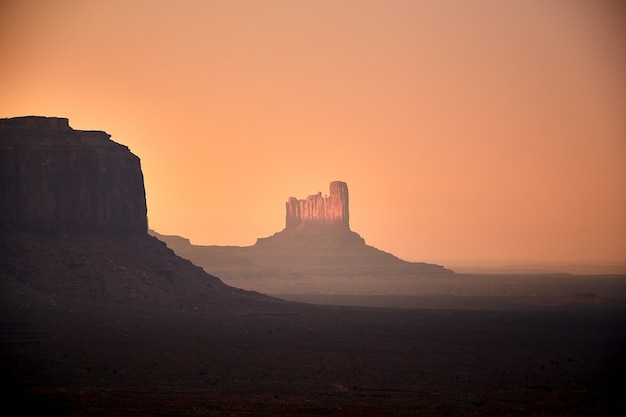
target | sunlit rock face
[
  {"x": 317, "y": 222},
  {"x": 55, "y": 179},
  {"x": 317, "y": 210}
]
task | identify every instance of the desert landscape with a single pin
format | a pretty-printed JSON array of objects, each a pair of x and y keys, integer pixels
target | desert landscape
[
  {"x": 355, "y": 208},
  {"x": 99, "y": 318}
]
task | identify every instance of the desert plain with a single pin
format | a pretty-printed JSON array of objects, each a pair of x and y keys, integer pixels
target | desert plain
[{"x": 406, "y": 356}]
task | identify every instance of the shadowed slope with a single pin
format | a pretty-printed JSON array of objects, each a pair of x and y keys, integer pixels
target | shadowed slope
[{"x": 134, "y": 271}]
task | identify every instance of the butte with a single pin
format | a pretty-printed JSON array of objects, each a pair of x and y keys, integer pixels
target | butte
[{"x": 316, "y": 253}]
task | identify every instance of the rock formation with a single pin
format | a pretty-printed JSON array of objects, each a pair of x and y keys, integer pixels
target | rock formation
[
  {"x": 316, "y": 211},
  {"x": 318, "y": 221},
  {"x": 54, "y": 179},
  {"x": 316, "y": 252},
  {"x": 73, "y": 225}
]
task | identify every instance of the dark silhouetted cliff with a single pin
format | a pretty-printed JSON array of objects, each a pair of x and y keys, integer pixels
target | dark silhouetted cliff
[
  {"x": 73, "y": 226},
  {"x": 55, "y": 179}
]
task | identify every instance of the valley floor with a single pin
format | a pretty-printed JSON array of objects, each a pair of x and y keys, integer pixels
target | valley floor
[{"x": 78, "y": 359}]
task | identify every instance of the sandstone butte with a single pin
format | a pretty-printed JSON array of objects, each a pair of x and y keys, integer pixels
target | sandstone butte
[
  {"x": 316, "y": 252},
  {"x": 73, "y": 225},
  {"x": 316, "y": 222},
  {"x": 315, "y": 210}
]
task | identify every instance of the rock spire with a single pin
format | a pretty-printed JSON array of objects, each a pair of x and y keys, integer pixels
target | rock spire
[{"x": 320, "y": 211}]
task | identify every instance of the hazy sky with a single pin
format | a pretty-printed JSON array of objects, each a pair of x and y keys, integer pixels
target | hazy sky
[{"x": 467, "y": 131}]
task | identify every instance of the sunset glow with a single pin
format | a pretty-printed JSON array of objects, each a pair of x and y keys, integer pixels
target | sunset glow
[{"x": 467, "y": 132}]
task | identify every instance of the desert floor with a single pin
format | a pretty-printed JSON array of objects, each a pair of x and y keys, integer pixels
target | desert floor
[{"x": 440, "y": 357}]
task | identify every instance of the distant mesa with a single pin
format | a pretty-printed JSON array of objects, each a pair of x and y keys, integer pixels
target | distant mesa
[{"x": 54, "y": 179}]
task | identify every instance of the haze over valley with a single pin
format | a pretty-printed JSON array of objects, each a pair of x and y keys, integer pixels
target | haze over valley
[
  {"x": 317, "y": 253},
  {"x": 312, "y": 208}
]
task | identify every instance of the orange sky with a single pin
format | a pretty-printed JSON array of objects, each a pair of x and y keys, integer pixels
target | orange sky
[{"x": 466, "y": 131}]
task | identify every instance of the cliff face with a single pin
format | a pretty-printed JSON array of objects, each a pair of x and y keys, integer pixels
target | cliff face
[
  {"x": 317, "y": 210},
  {"x": 55, "y": 179}
]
